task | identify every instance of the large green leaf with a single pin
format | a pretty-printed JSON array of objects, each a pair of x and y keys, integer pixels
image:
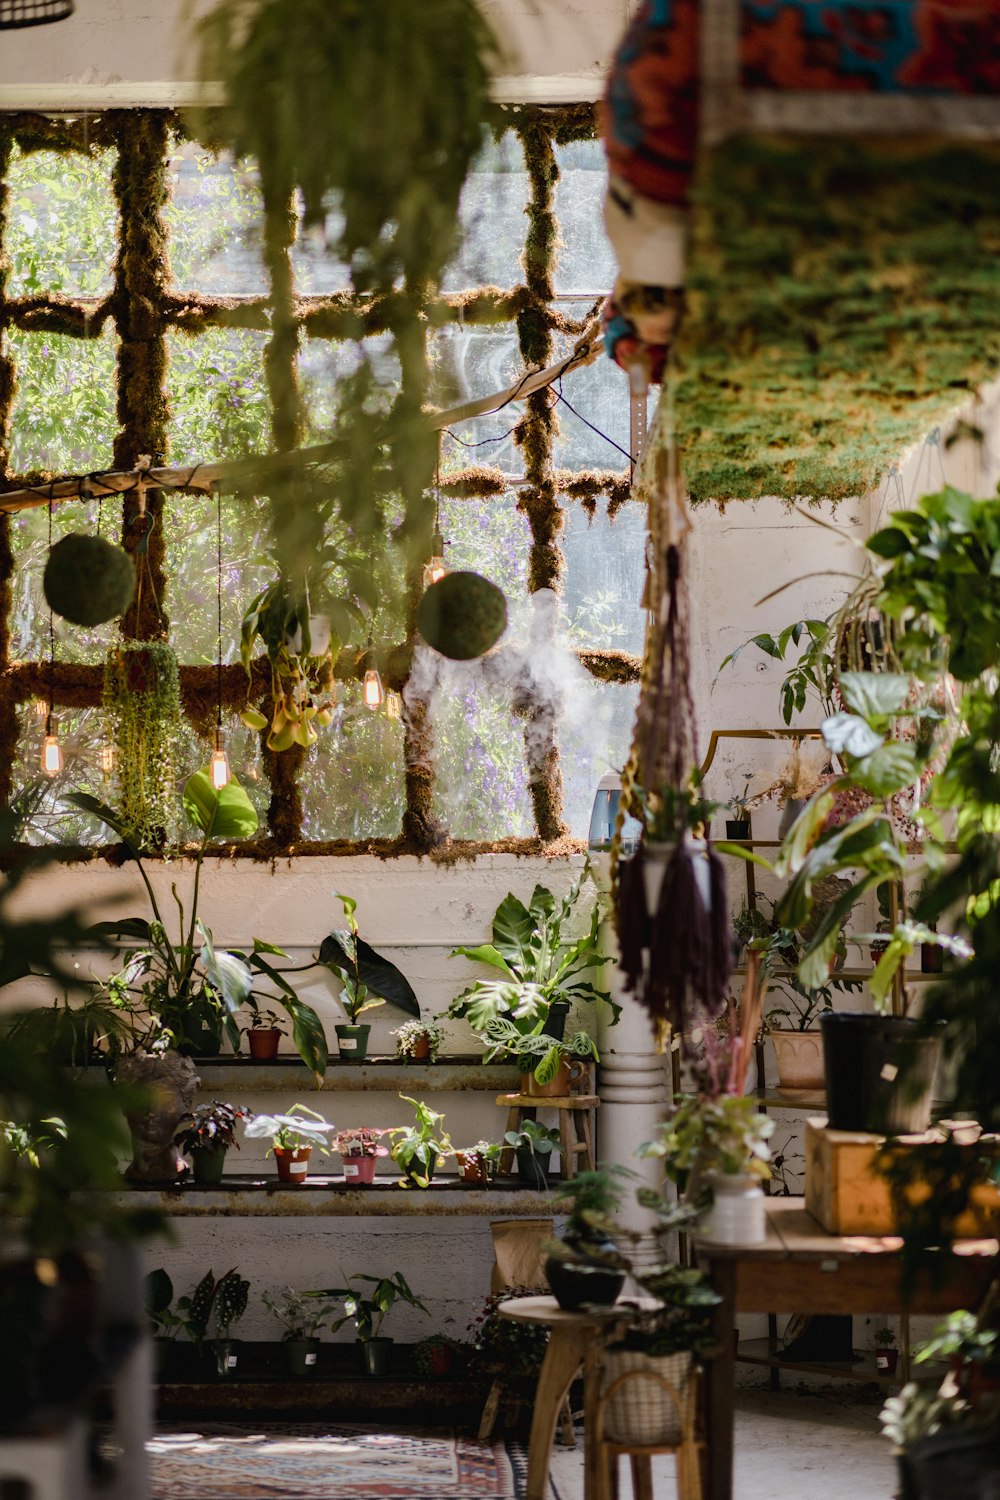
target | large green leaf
[
  {"x": 377, "y": 973},
  {"x": 814, "y": 966},
  {"x": 107, "y": 815},
  {"x": 123, "y": 927},
  {"x": 223, "y": 813},
  {"x": 874, "y": 695},
  {"x": 225, "y": 972},
  {"x": 850, "y": 734},
  {"x": 515, "y": 934},
  {"x": 891, "y": 767},
  {"x": 484, "y": 954}
]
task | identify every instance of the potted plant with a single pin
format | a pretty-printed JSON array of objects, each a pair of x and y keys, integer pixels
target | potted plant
[
  {"x": 584, "y": 1264},
  {"x": 503, "y": 1346},
  {"x": 435, "y": 1355},
  {"x": 660, "y": 1345},
  {"x": 360, "y": 1149},
  {"x": 715, "y": 1148},
  {"x": 541, "y": 973},
  {"x": 533, "y": 1145},
  {"x": 264, "y": 1031},
  {"x": 293, "y": 1136},
  {"x": 220, "y": 1304},
  {"x": 418, "y": 1041},
  {"x": 369, "y": 1313},
  {"x": 302, "y": 1319},
  {"x": 418, "y": 1148},
  {"x": 738, "y": 826},
  {"x": 886, "y": 1353},
  {"x": 971, "y": 1349},
  {"x": 367, "y": 980},
  {"x": 550, "y": 1067},
  {"x": 165, "y": 1323},
  {"x": 210, "y": 1134},
  {"x": 792, "y": 1027},
  {"x": 479, "y": 1163}
]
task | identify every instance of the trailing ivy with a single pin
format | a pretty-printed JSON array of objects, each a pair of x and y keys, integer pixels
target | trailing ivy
[{"x": 143, "y": 703}]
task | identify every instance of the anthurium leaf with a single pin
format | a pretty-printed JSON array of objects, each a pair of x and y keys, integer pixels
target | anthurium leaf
[
  {"x": 225, "y": 972},
  {"x": 381, "y": 977},
  {"x": 889, "y": 769},
  {"x": 221, "y": 813},
  {"x": 874, "y": 694},
  {"x": 308, "y": 1035},
  {"x": 850, "y": 734}
]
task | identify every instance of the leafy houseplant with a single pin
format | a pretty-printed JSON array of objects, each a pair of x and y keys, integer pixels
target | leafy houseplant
[
  {"x": 264, "y": 1031},
  {"x": 220, "y": 1303},
  {"x": 211, "y": 1133},
  {"x": 549, "y": 1068},
  {"x": 143, "y": 702},
  {"x": 360, "y": 1149},
  {"x": 715, "y": 1148},
  {"x": 585, "y": 1265},
  {"x": 292, "y": 1137},
  {"x": 503, "y": 1345},
  {"x": 302, "y": 1318},
  {"x": 367, "y": 978},
  {"x": 533, "y": 1144},
  {"x": 369, "y": 1313},
  {"x": 541, "y": 974},
  {"x": 418, "y": 1148},
  {"x": 436, "y": 1355},
  {"x": 419, "y": 1041},
  {"x": 479, "y": 1163}
]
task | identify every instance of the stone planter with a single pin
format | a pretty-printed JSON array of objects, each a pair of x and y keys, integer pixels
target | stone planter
[
  {"x": 172, "y": 1081},
  {"x": 799, "y": 1058}
]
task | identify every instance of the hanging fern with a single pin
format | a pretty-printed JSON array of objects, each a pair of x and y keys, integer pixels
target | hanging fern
[{"x": 142, "y": 699}]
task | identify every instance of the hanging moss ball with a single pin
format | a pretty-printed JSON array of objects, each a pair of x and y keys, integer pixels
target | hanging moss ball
[
  {"x": 462, "y": 615},
  {"x": 87, "y": 580}
]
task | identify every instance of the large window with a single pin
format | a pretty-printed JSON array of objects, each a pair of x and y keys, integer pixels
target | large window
[{"x": 102, "y": 362}]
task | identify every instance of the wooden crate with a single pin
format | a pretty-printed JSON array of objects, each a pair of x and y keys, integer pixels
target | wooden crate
[{"x": 847, "y": 1196}]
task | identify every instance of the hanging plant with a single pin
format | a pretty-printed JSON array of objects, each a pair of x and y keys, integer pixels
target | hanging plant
[{"x": 142, "y": 699}]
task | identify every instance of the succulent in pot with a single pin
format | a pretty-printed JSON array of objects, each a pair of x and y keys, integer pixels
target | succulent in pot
[
  {"x": 584, "y": 1264},
  {"x": 550, "y": 1067},
  {"x": 419, "y": 1041},
  {"x": 418, "y": 1148},
  {"x": 368, "y": 1313},
  {"x": 263, "y": 1031},
  {"x": 302, "y": 1318},
  {"x": 292, "y": 1137},
  {"x": 533, "y": 1145},
  {"x": 210, "y": 1133},
  {"x": 360, "y": 1149}
]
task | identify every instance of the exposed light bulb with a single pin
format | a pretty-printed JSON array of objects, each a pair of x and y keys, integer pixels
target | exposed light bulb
[
  {"x": 219, "y": 766},
  {"x": 107, "y": 758},
  {"x": 41, "y": 709},
  {"x": 52, "y": 756},
  {"x": 435, "y": 567},
  {"x": 373, "y": 693}
]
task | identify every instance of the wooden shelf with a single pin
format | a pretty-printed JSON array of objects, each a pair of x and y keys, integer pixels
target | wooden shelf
[
  {"x": 763, "y": 1352},
  {"x": 257, "y": 1196}
]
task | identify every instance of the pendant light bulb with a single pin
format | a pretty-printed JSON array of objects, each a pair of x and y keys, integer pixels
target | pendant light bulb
[
  {"x": 435, "y": 567},
  {"x": 219, "y": 766},
  {"x": 52, "y": 756},
  {"x": 372, "y": 690},
  {"x": 107, "y": 758}
]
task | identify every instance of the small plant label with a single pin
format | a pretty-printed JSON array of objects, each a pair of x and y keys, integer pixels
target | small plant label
[
  {"x": 298, "y": 1168},
  {"x": 230, "y": 1361},
  {"x": 310, "y": 1359},
  {"x": 348, "y": 1044}
]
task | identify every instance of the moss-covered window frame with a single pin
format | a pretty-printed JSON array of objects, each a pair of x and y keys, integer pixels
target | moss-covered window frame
[{"x": 144, "y": 304}]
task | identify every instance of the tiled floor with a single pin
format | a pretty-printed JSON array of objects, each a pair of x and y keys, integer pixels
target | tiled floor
[{"x": 790, "y": 1445}]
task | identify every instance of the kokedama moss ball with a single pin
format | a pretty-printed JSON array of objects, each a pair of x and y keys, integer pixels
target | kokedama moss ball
[
  {"x": 462, "y": 615},
  {"x": 88, "y": 581}
]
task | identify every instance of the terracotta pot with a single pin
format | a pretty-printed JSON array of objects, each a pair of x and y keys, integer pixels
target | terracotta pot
[
  {"x": 799, "y": 1056},
  {"x": 562, "y": 1085},
  {"x": 473, "y": 1167},
  {"x": 263, "y": 1043},
  {"x": 292, "y": 1165},
  {"x": 421, "y": 1049},
  {"x": 359, "y": 1170}
]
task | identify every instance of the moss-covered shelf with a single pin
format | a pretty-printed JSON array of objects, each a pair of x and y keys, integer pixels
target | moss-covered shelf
[
  {"x": 460, "y": 1074},
  {"x": 260, "y": 1195}
]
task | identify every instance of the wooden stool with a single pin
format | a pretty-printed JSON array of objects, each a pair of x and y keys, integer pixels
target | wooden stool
[{"x": 576, "y": 1129}]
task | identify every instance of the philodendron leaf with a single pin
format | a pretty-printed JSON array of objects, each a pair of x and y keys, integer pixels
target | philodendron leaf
[
  {"x": 850, "y": 734},
  {"x": 380, "y": 976},
  {"x": 874, "y": 694},
  {"x": 890, "y": 768},
  {"x": 221, "y": 813},
  {"x": 225, "y": 972}
]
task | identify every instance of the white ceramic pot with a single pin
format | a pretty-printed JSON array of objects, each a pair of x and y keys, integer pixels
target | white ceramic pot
[
  {"x": 737, "y": 1213},
  {"x": 656, "y": 859},
  {"x": 641, "y": 1412},
  {"x": 319, "y": 637},
  {"x": 799, "y": 1057}
]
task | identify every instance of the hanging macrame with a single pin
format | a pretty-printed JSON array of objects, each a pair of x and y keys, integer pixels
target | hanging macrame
[{"x": 673, "y": 915}]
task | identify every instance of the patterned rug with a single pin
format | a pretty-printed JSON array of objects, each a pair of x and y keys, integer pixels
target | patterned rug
[{"x": 312, "y": 1461}]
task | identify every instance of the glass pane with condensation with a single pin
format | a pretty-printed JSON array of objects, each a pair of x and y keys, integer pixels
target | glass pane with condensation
[
  {"x": 595, "y": 736},
  {"x": 352, "y": 779},
  {"x": 217, "y": 393},
  {"x": 595, "y": 432},
  {"x": 586, "y": 262},
  {"x": 317, "y": 269},
  {"x": 324, "y": 363},
  {"x": 469, "y": 363},
  {"x": 481, "y": 782},
  {"x": 61, "y": 229},
  {"x": 191, "y": 601},
  {"x": 63, "y": 419},
  {"x": 214, "y": 222},
  {"x": 81, "y": 735},
  {"x": 489, "y": 536},
  {"x": 493, "y": 220},
  {"x": 29, "y": 621},
  {"x": 604, "y": 576}
]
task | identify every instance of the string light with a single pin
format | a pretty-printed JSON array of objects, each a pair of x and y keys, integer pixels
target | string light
[
  {"x": 219, "y": 765},
  {"x": 372, "y": 691},
  {"x": 52, "y": 756}
]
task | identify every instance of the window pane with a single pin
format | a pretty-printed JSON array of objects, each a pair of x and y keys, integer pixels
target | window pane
[
  {"x": 491, "y": 537},
  {"x": 604, "y": 577},
  {"x": 599, "y": 393},
  {"x": 64, "y": 411},
  {"x": 470, "y": 363},
  {"x": 323, "y": 363},
  {"x": 213, "y": 222},
  {"x": 62, "y": 223},
  {"x": 352, "y": 780},
  {"x": 586, "y": 262},
  {"x": 314, "y": 264},
  {"x": 595, "y": 737},
  {"x": 191, "y": 603},
  {"x": 218, "y": 399},
  {"x": 492, "y": 215},
  {"x": 481, "y": 786},
  {"x": 30, "y": 616},
  {"x": 245, "y": 763},
  {"x": 81, "y": 735}
]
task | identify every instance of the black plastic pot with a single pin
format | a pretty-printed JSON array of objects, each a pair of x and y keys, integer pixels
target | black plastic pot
[
  {"x": 224, "y": 1354},
  {"x": 555, "y": 1023},
  {"x": 301, "y": 1355},
  {"x": 353, "y": 1042},
  {"x": 737, "y": 828},
  {"x": 574, "y": 1284},
  {"x": 532, "y": 1168},
  {"x": 376, "y": 1355},
  {"x": 950, "y": 1464},
  {"x": 879, "y": 1073},
  {"x": 208, "y": 1166}
]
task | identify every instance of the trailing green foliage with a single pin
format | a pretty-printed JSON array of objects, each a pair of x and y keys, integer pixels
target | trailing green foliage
[{"x": 142, "y": 699}]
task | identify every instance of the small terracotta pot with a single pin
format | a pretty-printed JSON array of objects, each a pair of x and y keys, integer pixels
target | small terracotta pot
[
  {"x": 886, "y": 1361},
  {"x": 292, "y": 1165},
  {"x": 473, "y": 1167},
  {"x": 562, "y": 1085},
  {"x": 421, "y": 1049},
  {"x": 359, "y": 1170},
  {"x": 799, "y": 1056},
  {"x": 263, "y": 1043}
]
